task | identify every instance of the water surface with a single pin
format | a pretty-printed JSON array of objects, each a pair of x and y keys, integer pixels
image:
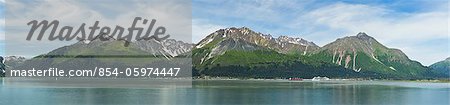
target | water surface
[{"x": 243, "y": 92}]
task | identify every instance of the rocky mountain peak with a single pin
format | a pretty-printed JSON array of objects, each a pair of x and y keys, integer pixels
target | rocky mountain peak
[
  {"x": 361, "y": 40},
  {"x": 448, "y": 59},
  {"x": 14, "y": 61},
  {"x": 292, "y": 40},
  {"x": 12, "y": 58},
  {"x": 364, "y": 36},
  {"x": 234, "y": 32},
  {"x": 283, "y": 44}
]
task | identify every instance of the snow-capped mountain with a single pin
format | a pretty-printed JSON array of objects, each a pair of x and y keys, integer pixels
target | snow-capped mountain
[{"x": 245, "y": 39}]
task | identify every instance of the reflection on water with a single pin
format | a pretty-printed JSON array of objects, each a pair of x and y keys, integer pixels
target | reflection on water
[{"x": 238, "y": 92}]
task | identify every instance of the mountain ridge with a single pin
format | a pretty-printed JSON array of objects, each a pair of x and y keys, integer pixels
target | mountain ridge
[
  {"x": 363, "y": 53},
  {"x": 360, "y": 53},
  {"x": 242, "y": 52}
]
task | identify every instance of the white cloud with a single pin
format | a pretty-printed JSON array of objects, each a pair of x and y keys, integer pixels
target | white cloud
[
  {"x": 201, "y": 28},
  {"x": 379, "y": 22},
  {"x": 251, "y": 10},
  {"x": 327, "y": 21},
  {"x": 398, "y": 30}
]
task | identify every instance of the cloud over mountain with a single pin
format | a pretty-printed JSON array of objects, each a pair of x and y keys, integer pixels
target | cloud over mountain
[{"x": 409, "y": 25}]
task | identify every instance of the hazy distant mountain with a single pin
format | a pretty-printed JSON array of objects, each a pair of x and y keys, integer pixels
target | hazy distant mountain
[
  {"x": 14, "y": 61},
  {"x": 442, "y": 66}
]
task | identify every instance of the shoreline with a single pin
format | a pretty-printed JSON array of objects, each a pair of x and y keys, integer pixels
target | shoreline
[
  {"x": 447, "y": 80},
  {"x": 282, "y": 79}
]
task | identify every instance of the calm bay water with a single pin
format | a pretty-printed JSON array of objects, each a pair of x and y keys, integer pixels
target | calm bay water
[{"x": 244, "y": 92}]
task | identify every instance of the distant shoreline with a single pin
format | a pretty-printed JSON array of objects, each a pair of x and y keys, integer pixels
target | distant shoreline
[
  {"x": 334, "y": 79},
  {"x": 331, "y": 79}
]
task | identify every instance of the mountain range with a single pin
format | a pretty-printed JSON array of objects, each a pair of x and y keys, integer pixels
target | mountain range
[
  {"x": 106, "y": 51},
  {"x": 244, "y": 53},
  {"x": 14, "y": 61}
]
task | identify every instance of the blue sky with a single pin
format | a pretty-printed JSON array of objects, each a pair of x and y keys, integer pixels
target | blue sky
[
  {"x": 2, "y": 30},
  {"x": 417, "y": 27}
]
